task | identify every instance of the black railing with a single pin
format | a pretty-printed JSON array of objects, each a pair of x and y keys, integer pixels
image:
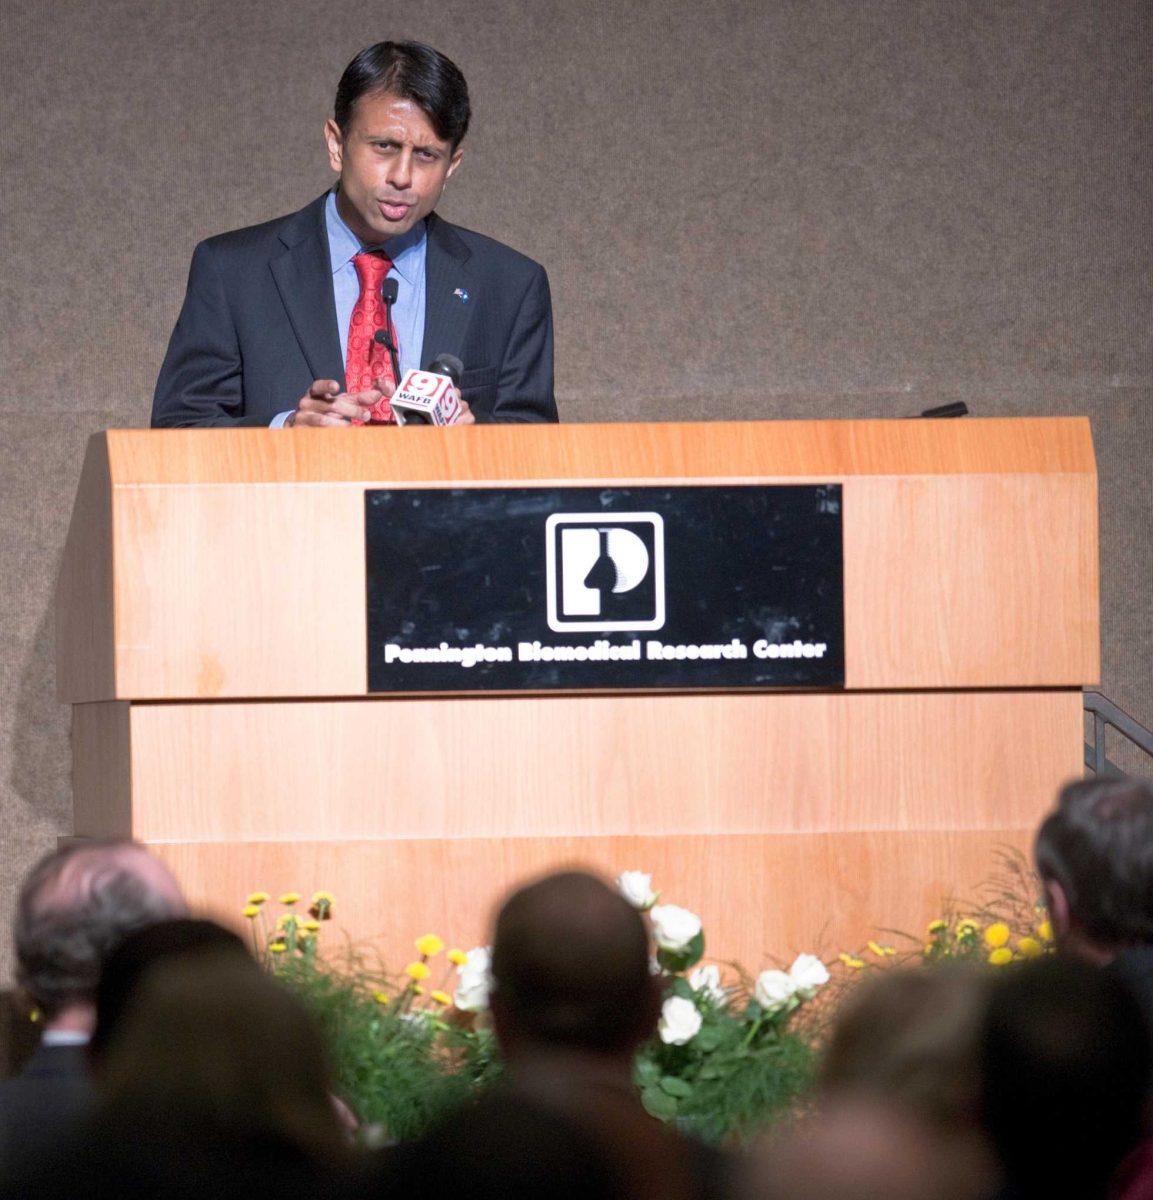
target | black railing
[{"x": 1106, "y": 715}]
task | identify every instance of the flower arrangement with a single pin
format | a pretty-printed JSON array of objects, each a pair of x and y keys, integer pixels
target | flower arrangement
[
  {"x": 1006, "y": 922},
  {"x": 402, "y": 1051},
  {"x": 723, "y": 1063},
  {"x": 732, "y": 1052},
  {"x": 725, "y": 1060}
]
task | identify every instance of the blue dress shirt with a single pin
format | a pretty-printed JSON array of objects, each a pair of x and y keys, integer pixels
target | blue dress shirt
[{"x": 407, "y": 253}]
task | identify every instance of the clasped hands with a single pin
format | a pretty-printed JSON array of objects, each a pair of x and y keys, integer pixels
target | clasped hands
[{"x": 324, "y": 404}]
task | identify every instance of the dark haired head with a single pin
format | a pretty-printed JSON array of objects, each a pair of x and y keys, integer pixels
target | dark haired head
[
  {"x": 216, "y": 1068},
  {"x": 1097, "y": 845},
  {"x": 412, "y": 71},
  {"x": 570, "y": 966},
  {"x": 131, "y": 962},
  {"x": 1065, "y": 1062}
]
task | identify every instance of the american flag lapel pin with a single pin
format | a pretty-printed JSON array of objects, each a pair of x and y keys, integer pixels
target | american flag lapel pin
[{"x": 461, "y": 295}]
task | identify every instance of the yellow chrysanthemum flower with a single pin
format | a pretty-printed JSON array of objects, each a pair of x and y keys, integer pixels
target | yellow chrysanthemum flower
[
  {"x": 258, "y": 898},
  {"x": 429, "y": 945},
  {"x": 290, "y": 898},
  {"x": 854, "y": 964},
  {"x": 1001, "y": 956},
  {"x": 323, "y": 898},
  {"x": 997, "y": 935},
  {"x": 286, "y": 919},
  {"x": 310, "y": 926},
  {"x": 277, "y": 947},
  {"x": 380, "y": 997},
  {"x": 1045, "y": 931},
  {"x": 930, "y": 947},
  {"x": 1029, "y": 947},
  {"x": 881, "y": 951},
  {"x": 457, "y": 957},
  {"x": 442, "y": 998},
  {"x": 418, "y": 990},
  {"x": 937, "y": 926},
  {"x": 252, "y": 911},
  {"x": 966, "y": 927},
  {"x": 417, "y": 970}
]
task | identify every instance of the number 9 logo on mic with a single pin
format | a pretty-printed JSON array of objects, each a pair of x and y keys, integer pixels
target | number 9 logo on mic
[{"x": 424, "y": 383}]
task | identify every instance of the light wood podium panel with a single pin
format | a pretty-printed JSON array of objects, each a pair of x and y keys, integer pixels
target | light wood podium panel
[
  {"x": 576, "y": 766},
  {"x": 763, "y": 898},
  {"x": 211, "y": 638},
  {"x": 970, "y": 547}
]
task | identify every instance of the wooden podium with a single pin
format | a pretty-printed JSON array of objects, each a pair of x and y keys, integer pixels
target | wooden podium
[{"x": 211, "y": 637}]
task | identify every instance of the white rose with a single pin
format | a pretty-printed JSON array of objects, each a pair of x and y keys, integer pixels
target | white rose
[
  {"x": 708, "y": 981},
  {"x": 475, "y": 982},
  {"x": 637, "y": 889},
  {"x": 674, "y": 927},
  {"x": 773, "y": 991},
  {"x": 680, "y": 1021},
  {"x": 808, "y": 975}
]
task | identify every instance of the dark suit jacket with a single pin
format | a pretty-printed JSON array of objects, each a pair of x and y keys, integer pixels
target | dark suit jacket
[
  {"x": 259, "y": 324},
  {"x": 42, "y": 1106}
]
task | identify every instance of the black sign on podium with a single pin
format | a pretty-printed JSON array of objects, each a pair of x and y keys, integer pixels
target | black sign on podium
[{"x": 527, "y": 589}]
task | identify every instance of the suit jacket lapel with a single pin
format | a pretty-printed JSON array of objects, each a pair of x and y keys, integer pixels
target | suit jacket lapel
[
  {"x": 303, "y": 275},
  {"x": 449, "y": 302}
]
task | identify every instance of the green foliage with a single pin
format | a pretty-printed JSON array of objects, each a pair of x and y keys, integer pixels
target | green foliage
[
  {"x": 741, "y": 1071},
  {"x": 1005, "y": 922},
  {"x": 403, "y": 1058},
  {"x": 399, "y": 1070}
]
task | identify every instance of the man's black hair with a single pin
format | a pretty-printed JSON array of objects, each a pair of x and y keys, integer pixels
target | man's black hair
[
  {"x": 570, "y": 964},
  {"x": 1065, "y": 1061},
  {"x": 1098, "y": 845},
  {"x": 415, "y": 72},
  {"x": 140, "y": 952}
]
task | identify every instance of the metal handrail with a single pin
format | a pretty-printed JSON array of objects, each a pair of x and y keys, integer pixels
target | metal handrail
[{"x": 1106, "y": 713}]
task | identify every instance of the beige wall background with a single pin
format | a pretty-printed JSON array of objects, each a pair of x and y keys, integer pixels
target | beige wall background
[{"x": 827, "y": 208}]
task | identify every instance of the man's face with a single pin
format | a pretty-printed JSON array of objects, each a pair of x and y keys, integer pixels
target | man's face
[{"x": 392, "y": 166}]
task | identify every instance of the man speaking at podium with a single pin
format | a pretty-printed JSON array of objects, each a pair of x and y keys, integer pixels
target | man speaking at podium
[{"x": 314, "y": 319}]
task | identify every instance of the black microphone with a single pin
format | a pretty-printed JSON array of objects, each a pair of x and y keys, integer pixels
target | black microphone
[
  {"x": 389, "y": 290},
  {"x": 447, "y": 364},
  {"x": 957, "y": 409}
]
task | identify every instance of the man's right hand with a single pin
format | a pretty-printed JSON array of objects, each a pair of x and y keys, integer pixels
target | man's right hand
[{"x": 326, "y": 404}]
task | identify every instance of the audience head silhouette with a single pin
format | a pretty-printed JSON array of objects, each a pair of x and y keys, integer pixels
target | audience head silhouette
[
  {"x": 74, "y": 906},
  {"x": 183, "y": 938},
  {"x": 570, "y": 966},
  {"x": 1094, "y": 853},
  {"x": 1065, "y": 1061},
  {"x": 911, "y": 1036},
  {"x": 213, "y": 1049}
]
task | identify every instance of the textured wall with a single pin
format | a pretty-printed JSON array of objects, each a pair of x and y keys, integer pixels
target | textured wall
[{"x": 763, "y": 209}]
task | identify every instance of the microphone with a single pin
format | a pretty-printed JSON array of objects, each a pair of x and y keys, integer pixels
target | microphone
[
  {"x": 389, "y": 290},
  {"x": 957, "y": 409},
  {"x": 428, "y": 397}
]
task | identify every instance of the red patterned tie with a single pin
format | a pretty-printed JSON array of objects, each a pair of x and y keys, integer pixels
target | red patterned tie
[{"x": 367, "y": 363}]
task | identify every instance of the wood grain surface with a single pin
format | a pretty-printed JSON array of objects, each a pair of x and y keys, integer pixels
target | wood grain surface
[
  {"x": 763, "y": 898},
  {"x": 592, "y": 765},
  {"x": 238, "y": 555}
]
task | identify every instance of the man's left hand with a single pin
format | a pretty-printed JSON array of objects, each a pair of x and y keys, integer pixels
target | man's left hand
[{"x": 466, "y": 417}]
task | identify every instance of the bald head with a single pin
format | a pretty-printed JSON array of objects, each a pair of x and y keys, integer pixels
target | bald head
[
  {"x": 78, "y": 903},
  {"x": 570, "y": 966}
]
